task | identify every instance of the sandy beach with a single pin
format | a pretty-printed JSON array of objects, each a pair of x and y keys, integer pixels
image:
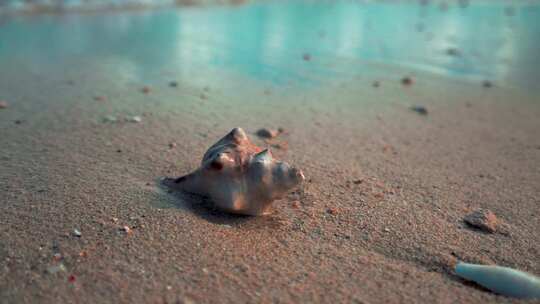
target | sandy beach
[{"x": 379, "y": 218}]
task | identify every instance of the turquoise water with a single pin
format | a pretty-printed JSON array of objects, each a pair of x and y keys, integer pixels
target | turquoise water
[{"x": 268, "y": 41}]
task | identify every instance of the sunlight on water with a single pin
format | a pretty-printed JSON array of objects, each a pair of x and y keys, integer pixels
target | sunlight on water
[{"x": 293, "y": 42}]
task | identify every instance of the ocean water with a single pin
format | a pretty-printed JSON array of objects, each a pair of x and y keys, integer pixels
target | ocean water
[{"x": 287, "y": 42}]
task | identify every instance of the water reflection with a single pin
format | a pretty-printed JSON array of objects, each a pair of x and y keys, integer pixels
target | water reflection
[{"x": 267, "y": 41}]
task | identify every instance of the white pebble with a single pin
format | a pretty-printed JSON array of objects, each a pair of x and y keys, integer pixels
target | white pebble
[{"x": 136, "y": 119}]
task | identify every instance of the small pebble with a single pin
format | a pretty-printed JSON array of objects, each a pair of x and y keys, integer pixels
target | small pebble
[
  {"x": 419, "y": 109},
  {"x": 407, "y": 81},
  {"x": 146, "y": 90},
  {"x": 57, "y": 256},
  {"x": 135, "y": 119},
  {"x": 110, "y": 119},
  {"x": 332, "y": 211},
  {"x": 77, "y": 233},
  {"x": 100, "y": 98},
  {"x": 487, "y": 84},
  {"x": 453, "y": 52},
  {"x": 172, "y": 145},
  {"x": 18, "y": 121},
  {"x": 126, "y": 229},
  {"x": 482, "y": 219},
  {"x": 306, "y": 57},
  {"x": 376, "y": 84},
  {"x": 173, "y": 84},
  {"x": 267, "y": 133},
  {"x": 3, "y": 104}
]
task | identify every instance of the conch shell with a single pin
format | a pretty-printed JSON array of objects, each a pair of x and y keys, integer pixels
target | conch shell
[{"x": 239, "y": 177}]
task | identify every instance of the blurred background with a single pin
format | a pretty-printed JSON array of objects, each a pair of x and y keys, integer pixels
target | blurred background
[{"x": 495, "y": 41}]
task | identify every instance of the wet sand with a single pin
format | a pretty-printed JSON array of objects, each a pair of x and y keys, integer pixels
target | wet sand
[
  {"x": 378, "y": 220},
  {"x": 400, "y": 184}
]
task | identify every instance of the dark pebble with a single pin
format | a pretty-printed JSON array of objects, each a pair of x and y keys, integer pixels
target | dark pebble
[
  {"x": 420, "y": 110},
  {"x": 453, "y": 52},
  {"x": 407, "y": 81}
]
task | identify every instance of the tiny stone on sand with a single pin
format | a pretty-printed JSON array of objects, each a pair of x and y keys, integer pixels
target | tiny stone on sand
[
  {"x": 135, "y": 119},
  {"x": 419, "y": 109},
  {"x": 110, "y": 119},
  {"x": 3, "y": 104},
  {"x": 57, "y": 256},
  {"x": 482, "y": 219},
  {"x": 407, "y": 81},
  {"x": 332, "y": 211},
  {"x": 126, "y": 229},
  {"x": 146, "y": 90},
  {"x": 268, "y": 133},
  {"x": 453, "y": 52}
]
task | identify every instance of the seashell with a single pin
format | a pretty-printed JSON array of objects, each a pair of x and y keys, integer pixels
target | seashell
[
  {"x": 239, "y": 177},
  {"x": 502, "y": 280}
]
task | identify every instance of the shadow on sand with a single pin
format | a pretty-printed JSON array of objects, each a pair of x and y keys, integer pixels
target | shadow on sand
[{"x": 204, "y": 208}]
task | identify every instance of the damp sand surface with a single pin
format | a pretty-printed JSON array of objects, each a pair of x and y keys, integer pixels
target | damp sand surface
[{"x": 379, "y": 218}]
